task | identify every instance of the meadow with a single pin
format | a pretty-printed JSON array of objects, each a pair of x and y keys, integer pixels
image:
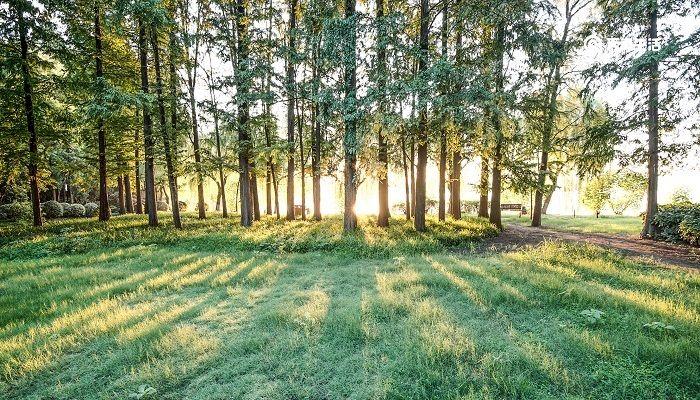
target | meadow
[
  {"x": 301, "y": 311},
  {"x": 609, "y": 224}
]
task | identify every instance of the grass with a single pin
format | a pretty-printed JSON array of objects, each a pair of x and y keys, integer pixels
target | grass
[
  {"x": 213, "y": 312},
  {"x": 616, "y": 225}
]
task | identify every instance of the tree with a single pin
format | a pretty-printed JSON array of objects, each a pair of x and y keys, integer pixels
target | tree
[
  {"x": 291, "y": 94},
  {"x": 596, "y": 193},
  {"x": 628, "y": 189},
  {"x": 350, "y": 116}
]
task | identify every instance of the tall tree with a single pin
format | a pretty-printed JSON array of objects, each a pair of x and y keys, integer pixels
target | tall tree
[
  {"x": 101, "y": 134},
  {"x": 422, "y": 148},
  {"x": 291, "y": 94},
  {"x": 350, "y": 115},
  {"x": 383, "y": 157},
  {"x": 148, "y": 140},
  {"x": 243, "y": 88}
]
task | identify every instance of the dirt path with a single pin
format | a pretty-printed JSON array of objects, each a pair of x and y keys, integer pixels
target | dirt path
[{"x": 516, "y": 236}]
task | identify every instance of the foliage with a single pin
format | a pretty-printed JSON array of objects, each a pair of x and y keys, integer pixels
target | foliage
[
  {"x": 16, "y": 211},
  {"x": 52, "y": 209},
  {"x": 629, "y": 187},
  {"x": 74, "y": 211},
  {"x": 592, "y": 316},
  {"x": 671, "y": 217},
  {"x": 681, "y": 195},
  {"x": 91, "y": 209},
  {"x": 596, "y": 193},
  {"x": 162, "y": 206}
]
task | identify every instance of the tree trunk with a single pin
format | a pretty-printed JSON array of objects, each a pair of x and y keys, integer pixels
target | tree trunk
[
  {"x": 127, "y": 192},
  {"x": 291, "y": 93},
  {"x": 649, "y": 229},
  {"x": 548, "y": 198},
  {"x": 101, "y": 134},
  {"x": 495, "y": 214},
  {"x": 484, "y": 188},
  {"x": 316, "y": 137},
  {"x": 422, "y": 150},
  {"x": 120, "y": 192},
  {"x": 29, "y": 113},
  {"x": 254, "y": 192},
  {"x": 169, "y": 165},
  {"x": 442, "y": 168},
  {"x": 302, "y": 164},
  {"x": 455, "y": 185},
  {"x": 243, "y": 87},
  {"x": 137, "y": 169},
  {"x": 405, "y": 179},
  {"x": 382, "y": 157},
  {"x": 350, "y": 107},
  {"x": 148, "y": 140}
]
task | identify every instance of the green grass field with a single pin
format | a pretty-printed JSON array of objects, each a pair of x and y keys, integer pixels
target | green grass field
[
  {"x": 617, "y": 225},
  {"x": 300, "y": 311}
]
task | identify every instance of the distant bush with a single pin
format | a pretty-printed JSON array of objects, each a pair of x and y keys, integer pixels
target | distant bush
[
  {"x": 182, "y": 205},
  {"x": 161, "y": 206},
  {"x": 74, "y": 211},
  {"x": 64, "y": 206},
  {"x": 15, "y": 211},
  {"x": 689, "y": 229},
  {"x": 91, "y": 209},
  {"x": 206, "y": 207},
  {"x": 52, "y": 209},
  {"x": 678, "y": 222}
]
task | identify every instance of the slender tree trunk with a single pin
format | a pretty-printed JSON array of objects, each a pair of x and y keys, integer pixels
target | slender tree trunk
[
  {"x": 442, "y": 168},
  {"x": 315, "y": 136},
  {"x": 382, "y": 156},
  {"x": 254, "y": 192},
  {"x": 29, "y": 113},
  {"x": 302, "y": 164},
  {"x": 291, "y": 91},
  {"x": 413, "y": 174},
  {"x": 405, "y": 179},
  {"x": 101, "y": 134},
  {"x": 137, "y": 170},
  {"x": 148, "y": 140},
  {"x": 649, "y": 229},
  {"x": 121, "y": 197},
  {"x": 243, "y": 87},
  {"x": 170, "y": 167},
  {"x": 350, "y": 107},
  {"x": 455, "y": 185},
  {"x": 484, "y": 188},
  {"x": 422, "y": 150},
  {"x": 127, "y": 192},
  {"x": 495, "y": 214},
  {"x": 275, "y": 185},
  {"x": 548, "y": 198}
]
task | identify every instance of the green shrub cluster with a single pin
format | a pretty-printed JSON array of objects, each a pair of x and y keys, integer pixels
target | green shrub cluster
[
  {"x": 74, "y": 211},
  {"x": 52, "y": 209},
  {"x": 91, "y": 209},
  {"x": 162, "y": 206},
  {"x": 678, "y": 222},
  {"x": 15, "y": 211}
]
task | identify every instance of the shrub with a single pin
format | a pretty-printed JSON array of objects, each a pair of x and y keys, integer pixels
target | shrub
[
  {"x": 182, "y": 205},
  {"x": 161, "y": 206},
  {"x": 64, "y": 206},
  {"x": 52, "y": 209},
  {"x": 689, "y": 229},
  {"x": 669, "y": 218},
  {"x": 74, "y": 211},
  {"x": 16, "y": 211},
  {"x": 91, "y": 209},
  {"x": 206, "y": 207}
]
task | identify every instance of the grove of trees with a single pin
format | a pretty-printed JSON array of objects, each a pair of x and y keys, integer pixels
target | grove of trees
[{"x": 150, "y": 96}]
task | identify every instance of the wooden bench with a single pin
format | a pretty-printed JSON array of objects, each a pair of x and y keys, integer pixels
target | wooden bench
[{"x": 514, "y": 207}]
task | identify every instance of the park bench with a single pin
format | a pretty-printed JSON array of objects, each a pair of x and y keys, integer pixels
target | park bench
[{"x": 514, "y": 207}]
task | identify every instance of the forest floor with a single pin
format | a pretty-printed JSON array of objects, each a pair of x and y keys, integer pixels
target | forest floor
[{"x": 299, "y": 310}]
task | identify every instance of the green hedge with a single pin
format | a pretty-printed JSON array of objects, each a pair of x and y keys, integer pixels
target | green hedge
[{"x": 679, "y": 222}]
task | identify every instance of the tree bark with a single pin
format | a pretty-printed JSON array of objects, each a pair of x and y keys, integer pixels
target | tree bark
[
  {"x": 405, "y": 178},
  {"x": 442, "y": 168},
  {"x": 120, "y": 192},
  {"x": 422, "y": 150},
  {"x": 291, "y": 93},
  {"x": 382, "y": 157},
  {"x": 29, "y": 113},
  {"x": 302, "y": 165},
  {"x": 101, "y": 134},
  {"x": 169, "y": 165},
  {"x": 128, "y": 194},
  {"x": 350, "y": 140},
  {"x": 649, "y": 229},
  {"x": 148, "y": 140},
  {"x": 455, "y": 185},
  {"x": 316, "y": 136},
  {"x": 137, "y": 170},
  {"x": 495, "y": 214},
  {"x": 243, "y": 113},
  {"x": 254, "y": 192}
]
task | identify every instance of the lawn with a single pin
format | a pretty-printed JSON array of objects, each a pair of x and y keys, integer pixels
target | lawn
[
  {"x": 617, "y": 225},
  {"x": 300, "y": 311}
]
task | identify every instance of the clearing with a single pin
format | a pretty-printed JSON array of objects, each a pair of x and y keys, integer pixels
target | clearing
[{"x": 297, "y": 310}]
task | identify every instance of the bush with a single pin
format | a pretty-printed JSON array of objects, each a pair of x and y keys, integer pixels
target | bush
[
  {"x": 182, "y": 205},
  {"x": 74, "y": 211},
  {"x": 206, "y": 207},
  {"x": 670, "y": 217},
  {"x": 161, "y": 206},
  {"x": 52, "y": 209},
  {"x": 64, "y": 206},
  {"x": 91, "y": 209},
  {"x": 16, "y": 211},
  {"x": 689, "y": 230}
]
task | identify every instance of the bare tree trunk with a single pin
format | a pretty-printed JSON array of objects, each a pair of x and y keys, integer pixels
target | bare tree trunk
[
  {"x": 243, "y": 87},
  {"x": 148, "y": 140},
  {"x": 137, "y": 169},
  {"x": 128, "y": 194},
  {"x": 120, "y": 191},
  {"x": 495, "y": 214},
  {"x": 101, "y": 134},
  {"x": 315, "y": 135},
  {"x": 290, "y": 110},
  {"x": 405, "y": 179},
  {"x": 29, "y": 113},
  {"x": 169, "y": 165},
  {"x": 422, "y": 150},
  {"x": 382, "y": 157},
  {"x": 350, "y": 142},
  {"x": 442, "y": 168},
  {"x": 302, "y": 165},
  {"x": 455, "y": 185},
  {"x": 484, "y": 188},
  {"x": 254, "y": 192},
  {"x": 649, "y": 229}
]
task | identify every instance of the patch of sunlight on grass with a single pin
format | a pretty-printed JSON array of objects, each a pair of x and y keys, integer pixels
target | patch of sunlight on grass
[
  {"x": 153, "y": 324},
  {"x": 461, "y": 283},
  {"x": 313, "y": 311}
]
